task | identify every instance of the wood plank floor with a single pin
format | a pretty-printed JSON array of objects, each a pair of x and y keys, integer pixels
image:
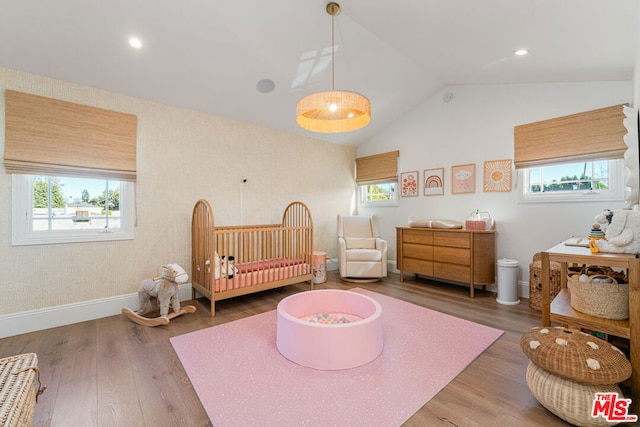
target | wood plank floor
[{"x": 111, "y": 372}]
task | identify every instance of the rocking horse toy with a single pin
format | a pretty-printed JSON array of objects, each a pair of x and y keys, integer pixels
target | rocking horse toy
[{"x": 165, "y": 289}]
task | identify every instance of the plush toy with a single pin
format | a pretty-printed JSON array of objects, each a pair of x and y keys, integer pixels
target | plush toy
[
  {"x": 623, "y": 233},
  {"x": 228, "y": 266},
  {"x": 165, "y": 289},
  {"x": 224, "y": 266},
  {"x": 217, "y": 265},
  {"x": 605, "y": 217}
]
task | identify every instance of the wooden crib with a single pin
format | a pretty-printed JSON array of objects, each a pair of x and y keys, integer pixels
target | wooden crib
[{"x": 264, "y": 256}]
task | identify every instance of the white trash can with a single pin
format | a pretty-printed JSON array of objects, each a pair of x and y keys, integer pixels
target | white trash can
[{"x": 508, "y": 281}]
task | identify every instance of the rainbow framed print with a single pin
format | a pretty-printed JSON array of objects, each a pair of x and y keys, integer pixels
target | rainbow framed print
[{"x": 433, "y": 182}]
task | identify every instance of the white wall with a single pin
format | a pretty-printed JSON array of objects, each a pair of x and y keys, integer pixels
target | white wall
[
  {"x": 182, "y": 156},
  {"x": 477, "y": 126}
]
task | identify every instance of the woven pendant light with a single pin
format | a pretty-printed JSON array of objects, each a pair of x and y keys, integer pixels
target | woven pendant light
[{"x": 335, "y": 110}]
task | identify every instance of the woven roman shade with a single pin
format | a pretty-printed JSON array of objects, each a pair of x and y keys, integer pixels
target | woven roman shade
[
  {"x": 592, "y": 135},
  {"x": 45, "y": 136},
  {"x": 377, "y": 167}
]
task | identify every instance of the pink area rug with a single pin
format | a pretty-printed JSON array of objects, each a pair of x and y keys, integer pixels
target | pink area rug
[{"x": 242, "y": 379}]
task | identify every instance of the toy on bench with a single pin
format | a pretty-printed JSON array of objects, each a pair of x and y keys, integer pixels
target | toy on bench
[{"x": 165, "y": 289}]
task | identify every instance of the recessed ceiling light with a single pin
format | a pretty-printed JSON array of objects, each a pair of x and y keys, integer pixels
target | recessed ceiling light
[
  {"x": 135, "y": 42},
  {"x": 520, "y": 52}
]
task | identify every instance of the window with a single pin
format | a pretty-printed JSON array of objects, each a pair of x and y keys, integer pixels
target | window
[
  {"x": 48, "y": 140},
  {"x": 378, "y": 194},
  {"x": 377, "y": 178},
  {"x": 63, "y": 210},
  {"x": 598, "y": 180}
]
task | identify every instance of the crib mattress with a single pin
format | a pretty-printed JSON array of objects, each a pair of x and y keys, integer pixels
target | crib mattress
[{"x": 265, "y": 271}]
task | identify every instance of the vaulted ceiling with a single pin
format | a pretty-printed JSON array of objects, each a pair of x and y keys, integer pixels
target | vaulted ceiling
[{"x": 210, "y": 55}]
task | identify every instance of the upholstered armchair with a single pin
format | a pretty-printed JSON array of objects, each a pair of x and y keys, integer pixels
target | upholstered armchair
[{"x": 362, "y": 254}]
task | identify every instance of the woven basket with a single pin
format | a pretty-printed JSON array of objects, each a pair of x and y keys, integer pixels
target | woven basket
[
  {"x": 608, "y": 301},
  {"x": 567, "y": 399},
  {"x": 19, "y": 389},
  {"x": 535, "y": 282},
  {"x": 576, "y": 356}
]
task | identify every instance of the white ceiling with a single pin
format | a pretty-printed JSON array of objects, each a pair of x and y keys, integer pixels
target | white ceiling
[{"x": 209, "y": 55}]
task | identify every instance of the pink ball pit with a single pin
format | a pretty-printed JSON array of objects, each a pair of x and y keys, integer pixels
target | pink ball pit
[{"x": 329, "y": 346}]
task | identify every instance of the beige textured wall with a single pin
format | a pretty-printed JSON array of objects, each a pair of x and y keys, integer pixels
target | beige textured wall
[{"x": 182, "y": 156}]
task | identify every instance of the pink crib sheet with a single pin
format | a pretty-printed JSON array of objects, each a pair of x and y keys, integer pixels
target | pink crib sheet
[{"x": 265, "y": 271}]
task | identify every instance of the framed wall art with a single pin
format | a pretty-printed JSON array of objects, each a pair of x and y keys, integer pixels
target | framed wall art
[
  {"x": 433, "y": 182},
  {"x": 463, "y": 178},
  {"x": 409, "y": 184},
  {"x": 497, "y": 176}
]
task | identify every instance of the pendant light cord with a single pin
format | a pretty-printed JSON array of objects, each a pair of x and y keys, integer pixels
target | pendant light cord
[{"x": 333, "y": 51}]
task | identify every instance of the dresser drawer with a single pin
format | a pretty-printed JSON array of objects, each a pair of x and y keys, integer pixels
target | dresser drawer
[
  {"x": 413, "y": 250},
  {"x": 451, "y": 239},
  {"x": 452, "y": 255},
  {"x": 457, "y": 273},
  {"x": 447, "y": 254},
  {"x": 418, "y": 266},
  {"x": 424, "y": 237}
]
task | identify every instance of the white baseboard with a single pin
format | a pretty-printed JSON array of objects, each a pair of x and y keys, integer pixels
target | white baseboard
[
  {"x": 35, "y": 320},
  {"x": 51, "y": 317},
  {"x": 523, "y": 287},
  {"x": 391, "y": 267}
]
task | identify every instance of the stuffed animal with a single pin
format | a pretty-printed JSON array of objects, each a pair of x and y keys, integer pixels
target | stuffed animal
[
  {"x": 228, "y": 266},
  {"x": 224, "y": 266},
  {"x": 216, "y": 265},
  {"x": 623, "y": 233},
  {"x": 165, "y": 288},
  {"x": 605, "y": 217}
]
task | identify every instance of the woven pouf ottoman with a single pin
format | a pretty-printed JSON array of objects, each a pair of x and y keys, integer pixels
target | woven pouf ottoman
[
  {"x": 19, "y": 388},
  {"x": 567, "y": 399},
  {"x": 568, "y": 367}
]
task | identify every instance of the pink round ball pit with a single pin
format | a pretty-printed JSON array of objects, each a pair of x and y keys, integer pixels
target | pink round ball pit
[{"x": 329, "y": 346}]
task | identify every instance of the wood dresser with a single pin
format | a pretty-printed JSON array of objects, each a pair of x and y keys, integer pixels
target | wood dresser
[{"x": 458, "y": 255}]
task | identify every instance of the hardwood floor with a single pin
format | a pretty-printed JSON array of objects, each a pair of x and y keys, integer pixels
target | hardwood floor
[{"x": 112, "y": 372}]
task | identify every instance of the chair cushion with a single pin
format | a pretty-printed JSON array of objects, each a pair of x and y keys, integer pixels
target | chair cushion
[
  {"x": 356, "y": 226},
  {"x": 364, "y": 255},
  {"x": 360, "y": 242}
]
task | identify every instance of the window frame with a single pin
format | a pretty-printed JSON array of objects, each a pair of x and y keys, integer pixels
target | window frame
[
  {"x": 616, "y": 191},
  {"x": 362, "y": 192},
  {"x": 22, "y": 218}
]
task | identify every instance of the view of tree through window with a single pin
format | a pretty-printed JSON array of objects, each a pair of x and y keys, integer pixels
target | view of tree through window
[
  {"x": 67, "y": 203},
  {"x": 587, "y": 176},
  {"x": 41, "y": 188},
  {"x": 379, "y": 192}
]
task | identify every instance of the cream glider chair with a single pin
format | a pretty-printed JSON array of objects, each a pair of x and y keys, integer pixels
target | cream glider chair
[{"x": 362, "y": 254}]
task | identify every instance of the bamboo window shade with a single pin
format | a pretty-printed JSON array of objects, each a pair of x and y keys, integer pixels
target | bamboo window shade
[
  {"x": 45, "y": 136},
  {"x": 591, "y": 135},
  {"x": 377, "y": 167}
]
